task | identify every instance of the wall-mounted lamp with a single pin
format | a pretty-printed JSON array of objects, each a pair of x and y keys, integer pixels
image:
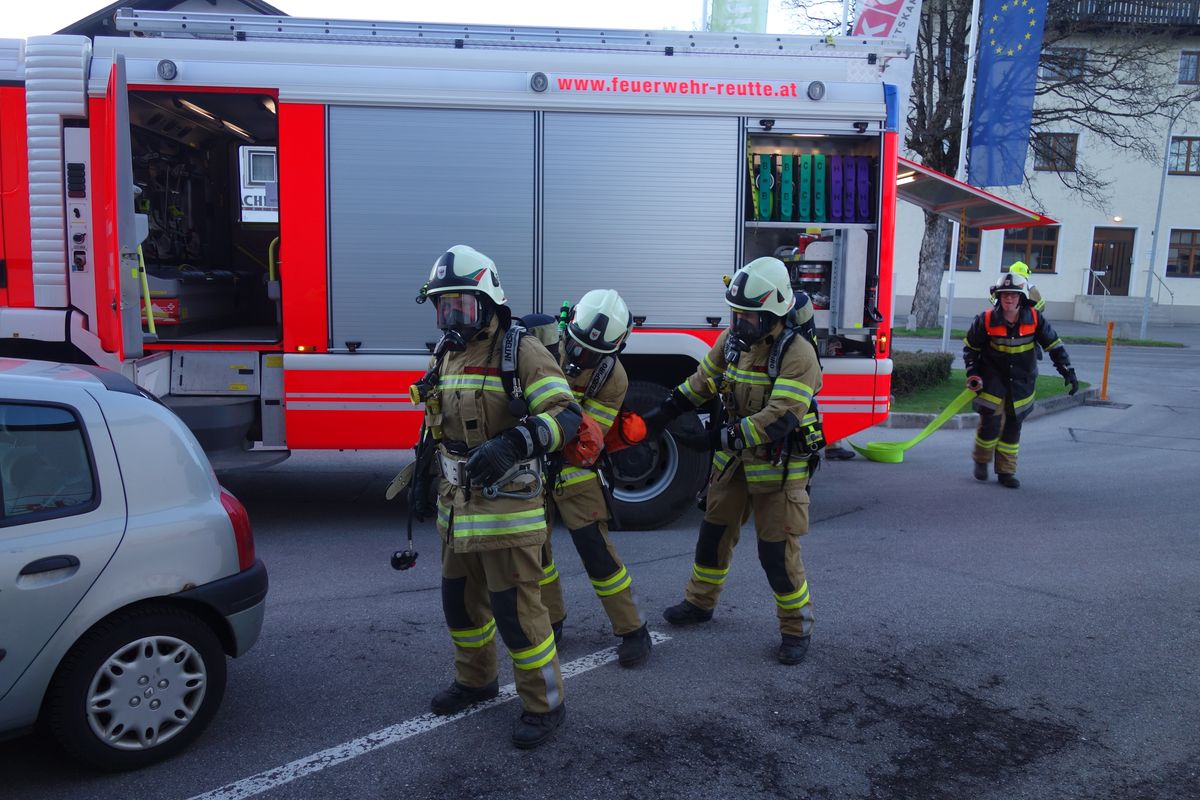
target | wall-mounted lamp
[{"x": 1118, "y": 218}]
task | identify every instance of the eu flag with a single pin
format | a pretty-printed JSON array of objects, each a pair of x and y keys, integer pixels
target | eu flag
[{"x": 1010, "y": 46}]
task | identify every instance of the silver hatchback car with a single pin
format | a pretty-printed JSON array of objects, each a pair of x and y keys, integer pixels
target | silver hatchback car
[{"x": 127, "y": 573}]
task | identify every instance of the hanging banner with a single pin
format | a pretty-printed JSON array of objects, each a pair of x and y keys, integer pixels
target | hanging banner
[
  {"x": 892, "y": 19},
  {"x": 739, "y": 16}
]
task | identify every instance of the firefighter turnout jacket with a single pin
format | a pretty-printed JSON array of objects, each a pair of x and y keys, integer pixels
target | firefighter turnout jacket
[
  {"x": 1004, "y": 357},
  {"x": 474, "y": 407},
  {"x": 766, "y": 412}
]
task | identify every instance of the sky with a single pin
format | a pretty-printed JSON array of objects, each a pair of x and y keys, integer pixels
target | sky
[{"x": 36, "y": 18}]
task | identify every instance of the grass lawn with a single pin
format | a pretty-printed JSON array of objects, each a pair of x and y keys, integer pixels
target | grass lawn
[
  {"x": 957, "y": 336},
  {"x": 935, "y": 398}
]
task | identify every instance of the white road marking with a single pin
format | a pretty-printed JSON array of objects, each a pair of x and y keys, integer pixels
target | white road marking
[{"x": 272, "y": 778}]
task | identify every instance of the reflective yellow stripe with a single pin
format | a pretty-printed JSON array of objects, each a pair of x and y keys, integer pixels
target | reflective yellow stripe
[
  {"x": 708, "y": 367},
  {"x": 1021, "y": 348},
  {"x": 686, "y": 390},
  {"x": 474, "y": 637},
  {"x": 617, "y": 583},
  {"x": 709, "y": 574},
  {"x": 745, "y": 376},
  {"x": 720, "y": 459},
  {"x": 968, "y": 344},
  {"x": 750, "y": 431},
  {"x": 1008, "y": 449},
  {"x": 1022, "y": 402},
  {"x": 796, "y": 599},
  {"x": 541, "y": 391},
  {"x": 991, "y": 398},
  {"x": 549, "y": 574},
  {"x": 761, "y": 473},
  {"x": 785, "y": 387},
  {"x": 600, "y": 412},
  {"x": 569, "y": 476},
  {"x": 487, "y": 383},
  {"x": 1054, "y": 344},
  {"x": 555, "y": 431},
  {"x": 536, "y": 656},
  {"x": 467, "y": 525},
  {"x": 986, "y": 444}
]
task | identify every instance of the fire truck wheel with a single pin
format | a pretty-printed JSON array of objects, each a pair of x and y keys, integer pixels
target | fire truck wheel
[{"x": 656, "y": 481}]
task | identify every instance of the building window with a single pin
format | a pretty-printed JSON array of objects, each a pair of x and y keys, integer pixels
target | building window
[
  {"x": 1037, "y": 247},
  {"x": 1183, "y": 254},
  {"x": 1189, "y": 67},
  {"x": 1062, "y": 63},
  {"x": 1185, "y": 155},
  {"x": 1055, "y": 152},
  {"x": 968, "y": 250}
]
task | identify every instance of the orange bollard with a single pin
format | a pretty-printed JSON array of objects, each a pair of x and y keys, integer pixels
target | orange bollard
[{"x": 1107, "y": 357}]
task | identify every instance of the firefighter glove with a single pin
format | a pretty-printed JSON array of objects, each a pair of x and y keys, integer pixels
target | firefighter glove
[
  {"x": 658, "y": 418},
  {"x": 495, "y": 457},
  {"x": 1069, "y": 379},
  {"x": 974, "y": 383}
]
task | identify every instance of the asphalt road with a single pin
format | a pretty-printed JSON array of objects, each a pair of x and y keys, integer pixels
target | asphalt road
[{"x": 971, "y": 641}]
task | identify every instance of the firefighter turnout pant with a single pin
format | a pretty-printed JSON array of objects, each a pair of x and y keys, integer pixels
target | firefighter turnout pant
[
  {"x": 582, "y": 510},
  {"x": 490, "y": 591},
  {"x": 998, "y": 434},
  {"x": 780, "y": 517}
]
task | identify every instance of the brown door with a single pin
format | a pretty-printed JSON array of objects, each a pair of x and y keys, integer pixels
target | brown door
[{"x": 1112, "y": 259}]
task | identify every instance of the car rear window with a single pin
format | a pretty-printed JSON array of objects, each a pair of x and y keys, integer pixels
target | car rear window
[{"x": 45, "y": 467}]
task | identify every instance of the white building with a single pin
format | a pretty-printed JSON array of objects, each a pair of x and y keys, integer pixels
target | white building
[{"x": 1093, "y": 266}]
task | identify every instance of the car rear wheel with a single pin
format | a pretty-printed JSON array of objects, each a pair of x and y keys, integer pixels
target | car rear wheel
[{"x": 137, "y": 688}]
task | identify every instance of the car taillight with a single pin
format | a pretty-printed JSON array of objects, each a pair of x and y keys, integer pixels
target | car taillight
[{"x": 241, "y": 528}]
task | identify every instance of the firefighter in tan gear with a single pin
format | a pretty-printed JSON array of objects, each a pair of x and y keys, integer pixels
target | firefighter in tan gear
[
  {"x": 1002, "y": 371},
  {"x": 490, "y": 502},
  {"x": 766, "y": 375},
  {"x": 599, "y": 324}
]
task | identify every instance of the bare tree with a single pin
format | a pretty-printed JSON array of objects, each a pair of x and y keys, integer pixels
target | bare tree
[{"x": 1108, "y": 68}]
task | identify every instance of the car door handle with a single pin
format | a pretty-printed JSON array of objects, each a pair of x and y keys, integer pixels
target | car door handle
[{"x": 49, "y": 564}]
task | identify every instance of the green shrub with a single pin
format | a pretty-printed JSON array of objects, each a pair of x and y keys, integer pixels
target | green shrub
[{"x": 912, "y": 372}]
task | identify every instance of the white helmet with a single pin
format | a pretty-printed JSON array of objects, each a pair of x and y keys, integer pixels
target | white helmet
[
  {"x": 598, "y": 325},
  {"x": 1011, "y": 282},
  {"x": 760, "y": 294},
  {"x": 465, "y": 269},
  {"x": 458, "y": 283}
]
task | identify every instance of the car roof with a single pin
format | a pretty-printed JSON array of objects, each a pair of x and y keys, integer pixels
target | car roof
[{"x": 83, "y": 375}]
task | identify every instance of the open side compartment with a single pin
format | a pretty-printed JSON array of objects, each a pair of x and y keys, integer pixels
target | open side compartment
[
  {"x": 812, "y": 201},
  {"x": 206, "y": 171}
]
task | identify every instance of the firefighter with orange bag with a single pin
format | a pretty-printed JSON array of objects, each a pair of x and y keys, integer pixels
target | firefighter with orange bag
[
  {"x": 490, "y": 501},
  {"x": 765, "y": 446},
  {"x": 595, "y": 334},
  {"x": 1001, "y": 363}
]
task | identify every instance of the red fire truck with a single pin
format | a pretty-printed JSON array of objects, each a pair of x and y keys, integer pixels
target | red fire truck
[{"x": 238, "y": 211}]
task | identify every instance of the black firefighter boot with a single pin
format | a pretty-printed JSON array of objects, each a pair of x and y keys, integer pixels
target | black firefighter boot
[
  {"x": 634, "y": 648},
  {"x": 1008, "y": 480},
  {"x": 980, "y": 471},
  {"x": 686, "y": 614},
  {"x": 458, "y": 697},
  {"x": 533, "y": 729},
  {"x": 793, "y": 649}
]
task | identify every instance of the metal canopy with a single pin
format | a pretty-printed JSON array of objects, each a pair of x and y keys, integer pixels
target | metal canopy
[{"x": 975, "y": 208}]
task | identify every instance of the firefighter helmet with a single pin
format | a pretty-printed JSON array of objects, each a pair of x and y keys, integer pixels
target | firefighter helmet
[
  {"x": 759, "y": 295},
  {"x": 465, "y": 269},
  {"x": 1011, "y": 282},
  {"x": 1019, "y": 268},
  {"x": 599, "y": 323},
  {"x": 466, "y": 292}
]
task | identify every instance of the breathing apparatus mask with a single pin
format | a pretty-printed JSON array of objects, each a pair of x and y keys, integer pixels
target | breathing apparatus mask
[
  {"x": 748, "y": 328},
  {"x": 460, "y": 316}
]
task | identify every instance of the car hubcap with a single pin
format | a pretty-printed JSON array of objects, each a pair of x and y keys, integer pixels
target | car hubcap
[
  {"x": 146, "y": 692},
  {"x": 644, "y": 472}
]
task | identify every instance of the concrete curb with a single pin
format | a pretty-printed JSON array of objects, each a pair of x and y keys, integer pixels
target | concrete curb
[{"x": 911, "y": 419}]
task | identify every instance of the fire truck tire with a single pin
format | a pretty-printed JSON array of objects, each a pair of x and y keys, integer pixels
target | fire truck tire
[{"x": 656, "y": 481}]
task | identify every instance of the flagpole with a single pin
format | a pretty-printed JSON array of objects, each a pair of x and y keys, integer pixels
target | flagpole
[{"x": 961, "y": 171}]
